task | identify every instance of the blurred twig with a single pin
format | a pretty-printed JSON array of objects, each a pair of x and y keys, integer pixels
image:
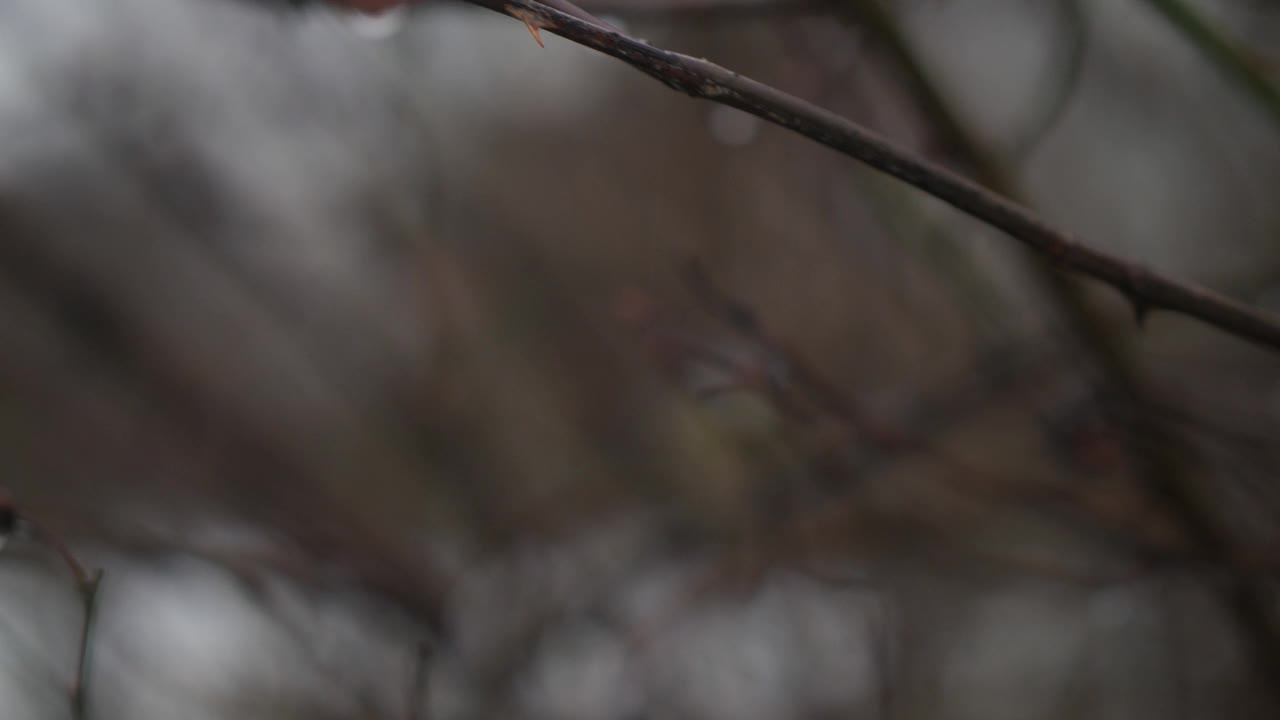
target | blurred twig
[
  {"x": 1214, "y": 44},
  {"x": 87, "y": 586},
  {"x": 1067, "y": 67},
  {"x": 1164, "y": 461},
  {"x": 800, "y": 391},
  {"x": 79, "y": 692},
  {"x": 1145, "y": 289}
]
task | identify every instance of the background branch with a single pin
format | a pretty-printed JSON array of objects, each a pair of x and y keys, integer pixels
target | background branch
[
  {"x": 1067, "y": 65},
  {"x": 1164, "y": 461},
  {"x": 1223, "y": 53},
  {"x": 1145, "y": 289}
]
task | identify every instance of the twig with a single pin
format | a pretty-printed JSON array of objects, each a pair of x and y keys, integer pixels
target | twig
[
  {"x": 686, "y": 11},
  {"x": 63, "y": 552},
  {"x": 1146, "y": 289},
  {"x": 79, "y": 691},
  {"x": 1068, "y": 66},
  {"x": 87, "y": 585},
  {"x": 1221, "y": 51},
  {"x": 1164, "y": 462},
  {"x": 806, "y": 390}
]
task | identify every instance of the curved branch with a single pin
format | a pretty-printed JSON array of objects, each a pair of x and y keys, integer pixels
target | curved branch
[
  {"x": 89, "y": 600},
  {"x": 1068, "y": 66},
  {"x": 1146, "y": 289},
  {"x": 87, "y": 585}
]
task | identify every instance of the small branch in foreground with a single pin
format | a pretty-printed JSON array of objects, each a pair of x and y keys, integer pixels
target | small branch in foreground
[{"x": 1145, "y": 289}]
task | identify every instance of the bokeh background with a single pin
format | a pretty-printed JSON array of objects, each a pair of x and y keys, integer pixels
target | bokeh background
[{"x": 399, "y": 368}]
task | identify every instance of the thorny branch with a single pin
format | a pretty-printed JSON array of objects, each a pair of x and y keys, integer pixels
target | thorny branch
[{"x": 1146, "y": 289}]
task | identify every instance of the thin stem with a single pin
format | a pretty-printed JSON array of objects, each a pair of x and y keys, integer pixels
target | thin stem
[
  {"x": 1164, "y": 463},
  {"x": 1145, "y": 289},
  {"x": 87, "y": 585},
  {"x": 1068, "y": 62},
  {"x": 79, "y": 691},
  {"x": 1222, "y": 52},
  {"x": 78, "y": 571}
]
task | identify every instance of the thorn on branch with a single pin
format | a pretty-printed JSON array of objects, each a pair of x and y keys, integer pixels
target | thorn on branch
[
  {"x": 530, "y": 22},
  {"x": 533, "y": 30}
]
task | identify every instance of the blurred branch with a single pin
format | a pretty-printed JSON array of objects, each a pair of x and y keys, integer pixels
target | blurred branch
[
  {"x": 1067, "y": 67},
  {"x": 1163, "y": 459},
  {"x": 708, "y": 10},
  {"x": 1222, "y": 52},
  {"x": 800, "y": 391},
  {"x": 958, "y": 140},
  {"x": 822, "y": 396},
  {"x": 79, "y": 693},
  {"x": 1145, "y": 289},
  {"x": 87, "y": 585}
]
